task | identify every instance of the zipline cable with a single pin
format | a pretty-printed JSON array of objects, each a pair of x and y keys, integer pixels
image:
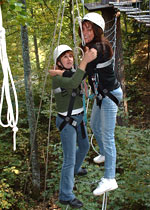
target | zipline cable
[{"x": 5, "y": 92}]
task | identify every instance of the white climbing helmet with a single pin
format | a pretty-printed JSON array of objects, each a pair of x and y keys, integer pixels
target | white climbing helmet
[
  {"x": 95, "y": 18},
  {"x": 59, "y": 50}
]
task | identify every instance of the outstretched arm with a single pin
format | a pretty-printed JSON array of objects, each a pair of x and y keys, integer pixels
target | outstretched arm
[{"x": 55, "y": 72}]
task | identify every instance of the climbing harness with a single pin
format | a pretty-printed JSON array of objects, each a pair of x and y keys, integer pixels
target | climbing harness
[
  {"x": 99, "y": 92},
  {"x": 12, "y": 119},
  {"x": 69, "y": 118}
]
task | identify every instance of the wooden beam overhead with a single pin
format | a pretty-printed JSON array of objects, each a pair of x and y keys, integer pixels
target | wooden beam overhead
[{"x": 96, "y": 6}]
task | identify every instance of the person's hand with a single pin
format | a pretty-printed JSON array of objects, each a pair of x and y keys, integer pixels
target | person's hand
[
  {"x": 55, "y": 72},
  {"x": 117, "y": 14},
  {"x": 90, "y": 55}
]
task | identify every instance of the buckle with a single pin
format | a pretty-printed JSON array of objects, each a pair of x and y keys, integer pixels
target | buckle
[
  {"x": 100, "y": 97},
  {"x": 105, "y": 91},
  {"x": 73, "y": 94},
  {"x": 74, "y": 123},
  {"x": 67, "y": 119}
]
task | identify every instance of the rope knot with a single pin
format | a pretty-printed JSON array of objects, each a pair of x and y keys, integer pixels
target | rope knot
[{"x": 15, "y": 129}]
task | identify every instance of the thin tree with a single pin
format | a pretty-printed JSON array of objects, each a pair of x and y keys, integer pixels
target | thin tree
[{"x": 30, "y": 110}]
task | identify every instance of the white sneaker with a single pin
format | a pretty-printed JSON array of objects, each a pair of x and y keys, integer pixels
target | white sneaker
[
  {"x": 105, "y": 185},
  {"x": 99, "y": 159}
]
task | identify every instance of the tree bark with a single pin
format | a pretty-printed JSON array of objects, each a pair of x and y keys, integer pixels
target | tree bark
[
  {"x": 30, "y": 111},
  {"x": 36, "y": 52},
  {"x": 36, "y": 47}
]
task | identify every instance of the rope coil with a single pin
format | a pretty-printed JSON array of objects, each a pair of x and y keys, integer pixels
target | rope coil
[{"x": 5, "y": 91}]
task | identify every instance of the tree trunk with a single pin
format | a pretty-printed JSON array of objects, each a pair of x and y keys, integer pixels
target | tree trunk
[
  {"x": 36, "y": 47},
  {"x": 36, "y": 53},
  {"x": 30, "y": 111},
  {"x": 121, "y": 77}
]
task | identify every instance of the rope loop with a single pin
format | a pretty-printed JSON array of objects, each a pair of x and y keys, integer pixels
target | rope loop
[{"x": 5, "y": 92}]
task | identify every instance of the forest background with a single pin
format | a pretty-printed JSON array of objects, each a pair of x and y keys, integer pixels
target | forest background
[{"x": 29, "y": 176}]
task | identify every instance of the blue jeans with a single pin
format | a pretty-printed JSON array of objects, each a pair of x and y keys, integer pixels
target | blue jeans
[
  {"x": 103, "y": 121},
  {"x": 73, "y": 156}
]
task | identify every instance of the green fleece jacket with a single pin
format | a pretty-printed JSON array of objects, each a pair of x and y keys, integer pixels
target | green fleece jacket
[{"x": 68, "y": 83}]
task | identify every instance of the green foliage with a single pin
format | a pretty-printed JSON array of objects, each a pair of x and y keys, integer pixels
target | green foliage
[
  {"x": 6, "y": 195},
  {"x": 133, "y": 173}
]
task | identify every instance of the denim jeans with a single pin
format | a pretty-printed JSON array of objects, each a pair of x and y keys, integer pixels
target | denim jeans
[
  {"x": 75, "y": 149},
  {"x": 103, "y": 121}
]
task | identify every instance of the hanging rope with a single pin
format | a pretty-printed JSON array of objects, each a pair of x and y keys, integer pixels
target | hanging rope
[
  {"x": 104, "y": 205},
  {"x": 82, "y": 1},
  {"x": 51, "y": 96},
  {"x": 7, "y": 82}
]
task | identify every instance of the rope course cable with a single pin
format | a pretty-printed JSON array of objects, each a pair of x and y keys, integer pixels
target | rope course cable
[
  {"x": 51, "y": 96},
  {"x": 8, "y": 83}
]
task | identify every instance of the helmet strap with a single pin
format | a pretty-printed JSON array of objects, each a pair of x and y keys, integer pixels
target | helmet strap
[{"x": 61, "y": 66}]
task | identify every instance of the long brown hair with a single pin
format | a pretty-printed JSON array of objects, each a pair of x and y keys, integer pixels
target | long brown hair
[{"x": 98, "y": 36}]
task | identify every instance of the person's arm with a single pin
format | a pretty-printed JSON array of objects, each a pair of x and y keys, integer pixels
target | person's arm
[
  {"x": 90, "y": 55},
  {"x": 56, "y": 72},
  {"x": 75, "y": 80}
]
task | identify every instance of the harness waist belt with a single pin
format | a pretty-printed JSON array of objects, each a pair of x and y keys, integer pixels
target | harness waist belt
[
  {"x": 72, "y": 122},
  {"x": 62, "y": 116},
  {"x": 105, "y": 64}
]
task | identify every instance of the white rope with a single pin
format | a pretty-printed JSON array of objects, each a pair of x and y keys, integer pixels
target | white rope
[
  {"x": 51, "y": 97},
  {"x": 60, "y": 27},
  {"x": 82, "y": 1},
  {"x": 74, "y": 35},
  {"x": 67, "y": 207},
  {"x": 5, "y": 92},
  {"x": 93, "y": 145},
  {"x": 104, "y": 205}
]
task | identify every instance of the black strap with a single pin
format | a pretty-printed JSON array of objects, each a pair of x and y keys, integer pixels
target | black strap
[
  {"x": 68, "y": 118},
  {"x": 83, "y": 130},
  {"x": 111, "y": 96},
  {"x": 102, "y": 94},
  {"x": 71, "y": 103}
]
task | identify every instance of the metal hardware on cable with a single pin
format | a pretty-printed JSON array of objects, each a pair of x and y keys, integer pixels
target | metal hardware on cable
[{"x": 5, "y": 92}]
